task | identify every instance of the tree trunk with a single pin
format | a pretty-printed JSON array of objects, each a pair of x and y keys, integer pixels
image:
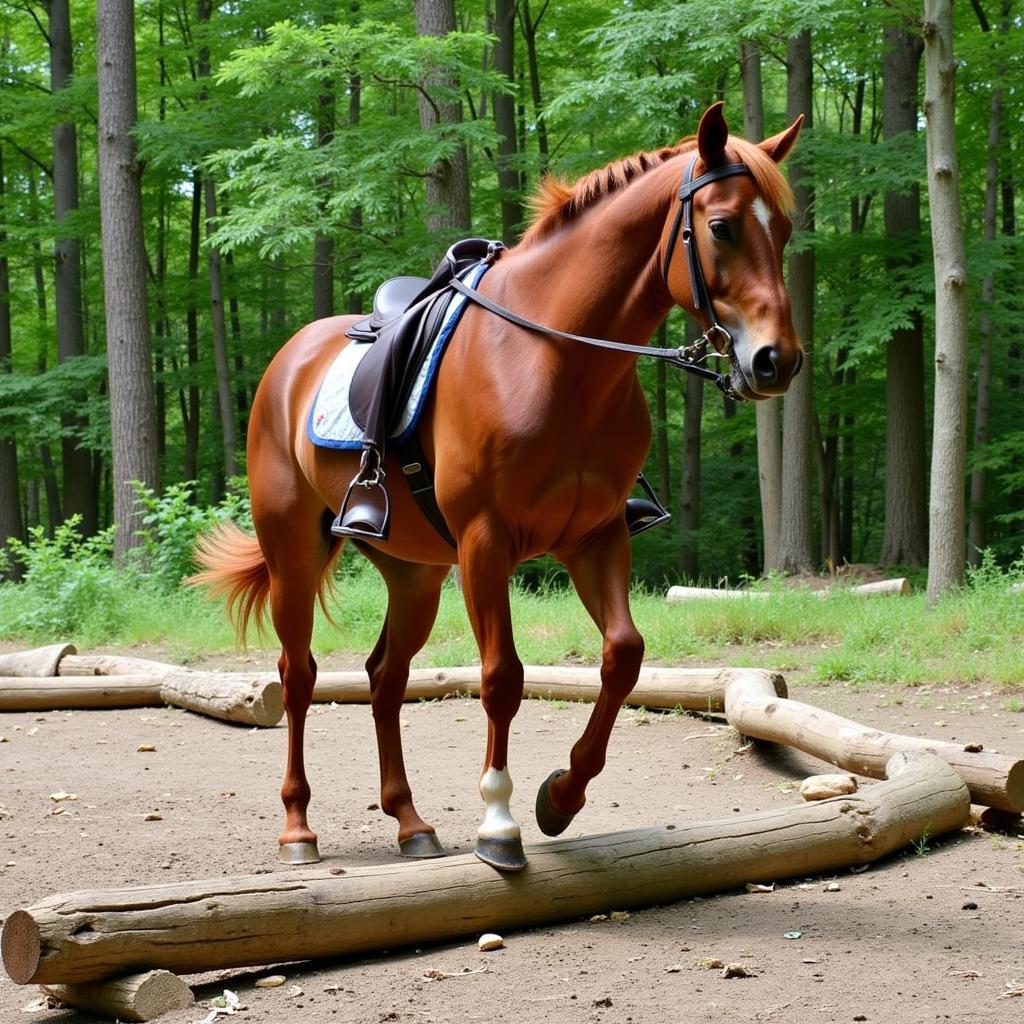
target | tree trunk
[
  {"x": 978, "y": 523},
  {"x": 132, "y": 418},
  {"x": 946, "y": 509},
  {"x": 769, "y": 432},
  {"x": 10, "y": 493},
  {"x": 905, "y": 537},
  {"x": 530, "y": 26},
  {"x": 323, "y": 245},
  {"x": 795, "y": 552},
  {"x": 509, "y": 184},
  {"x": 447, "y": 182},
  {"x": 355, "y": 220},
  {"x": 79, "y": 493}
]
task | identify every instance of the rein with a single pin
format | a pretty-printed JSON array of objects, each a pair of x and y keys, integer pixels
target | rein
[{"x": 686, "y": 357}]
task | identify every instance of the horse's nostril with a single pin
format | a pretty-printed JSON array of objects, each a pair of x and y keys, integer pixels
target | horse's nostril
[
  {"x": 765, "y": 364},
  {"x": 799, "y": 362}
]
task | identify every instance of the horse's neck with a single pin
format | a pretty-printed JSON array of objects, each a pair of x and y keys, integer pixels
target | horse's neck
[{"x": 600, "y": 275}]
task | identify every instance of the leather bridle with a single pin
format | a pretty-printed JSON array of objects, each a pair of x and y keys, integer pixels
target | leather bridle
[
  {"x": 686, "y": 357},
  {"x": 684, "y": 220}
]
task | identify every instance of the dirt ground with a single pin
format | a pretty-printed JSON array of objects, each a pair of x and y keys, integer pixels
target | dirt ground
[{"x": 930, "y": 935}]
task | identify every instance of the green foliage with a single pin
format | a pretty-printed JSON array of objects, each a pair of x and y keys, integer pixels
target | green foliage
[
  {"x": 70, "y": 586},
  {"x": 172, "y": 522}
]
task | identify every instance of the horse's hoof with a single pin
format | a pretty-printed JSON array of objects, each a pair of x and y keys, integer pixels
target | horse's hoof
[
  {"x": 298, "y": 853},
  {"x": 551, "y": 821},
  {"x": 422, "y": 845},
  {"x": 503, "y": 854}
]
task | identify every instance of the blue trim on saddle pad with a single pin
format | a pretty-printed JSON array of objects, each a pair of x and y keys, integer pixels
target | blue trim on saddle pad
[{"x": 330, "y": 423}]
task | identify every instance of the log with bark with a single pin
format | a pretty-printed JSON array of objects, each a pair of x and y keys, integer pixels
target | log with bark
[
  {"x": 56, "y": 677},
  {"x": 754, "y": 709},
  {"x": 312, "y": 914}
]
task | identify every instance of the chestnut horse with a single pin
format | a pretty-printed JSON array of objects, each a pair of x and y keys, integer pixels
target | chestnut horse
[{"x": 536, "y": 443}]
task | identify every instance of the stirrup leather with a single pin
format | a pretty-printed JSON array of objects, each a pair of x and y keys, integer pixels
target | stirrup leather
[
  {"x": 366, "y": 509},
  {"x": 643, "y": 514}
]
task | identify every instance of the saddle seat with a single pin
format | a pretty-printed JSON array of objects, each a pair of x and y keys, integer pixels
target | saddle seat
[{"x": 391, "y": 300}]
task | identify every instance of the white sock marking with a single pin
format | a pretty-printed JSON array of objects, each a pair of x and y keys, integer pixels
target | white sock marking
[{"x": 496, "y": 789}]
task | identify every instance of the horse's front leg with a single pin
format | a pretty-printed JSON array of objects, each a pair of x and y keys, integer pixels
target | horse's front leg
[
  {"x": 485, "y": 564},
  {"x": 600, "y": 572}
]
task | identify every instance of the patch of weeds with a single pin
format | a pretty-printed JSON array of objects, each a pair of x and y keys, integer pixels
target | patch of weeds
[
  {"x": 923, "y": 844},
  {"x": 1014, "y": 704}
]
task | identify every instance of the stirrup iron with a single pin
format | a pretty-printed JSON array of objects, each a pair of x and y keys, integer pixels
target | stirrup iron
[
  {"x": 643, "y": 514},
  {"x": 366, "y": 509}
]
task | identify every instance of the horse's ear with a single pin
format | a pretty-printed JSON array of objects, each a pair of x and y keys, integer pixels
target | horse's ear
[
  {"x": 712, "y": 135},
  {"x": 778, "y": 146}
]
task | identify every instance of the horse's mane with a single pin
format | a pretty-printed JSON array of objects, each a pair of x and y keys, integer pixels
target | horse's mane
[{"x": 556, "y": 202}]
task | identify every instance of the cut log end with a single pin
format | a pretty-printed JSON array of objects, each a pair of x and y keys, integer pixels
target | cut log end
[
  {"x": 133, "y": 997},
  {"x": 20, "y": 947},
  {"x": 1015, "y": 787}
]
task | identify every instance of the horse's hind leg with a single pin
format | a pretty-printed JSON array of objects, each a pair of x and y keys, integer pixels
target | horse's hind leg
[
  {"x": 413, "y": 595},
  {"x": 296, "y": 551},
  {"x": 600, "y": 573}
]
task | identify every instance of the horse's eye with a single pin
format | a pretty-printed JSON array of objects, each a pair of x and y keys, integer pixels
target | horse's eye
[{"x": 720, "y": 230}]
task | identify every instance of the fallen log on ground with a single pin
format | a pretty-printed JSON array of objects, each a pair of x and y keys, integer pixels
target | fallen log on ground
[
  {"x": 245, "y": 698},
  {"x": 692, "y": 689},
  {"x": 301, "y": 915},
  {"x": 881, "y": 588},
  {"x": 134, "y": 997},
  {"x": 40, "y": 661},
  {"x": 755, "y": 710}
]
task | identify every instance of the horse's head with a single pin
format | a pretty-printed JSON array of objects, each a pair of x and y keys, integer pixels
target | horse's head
[{"x": 723, "y": 255}]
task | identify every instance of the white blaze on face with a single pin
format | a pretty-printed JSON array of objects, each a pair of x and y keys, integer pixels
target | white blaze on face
[
  {"x": 496, "y": 789},
  {"x": 763, "y": 215}
]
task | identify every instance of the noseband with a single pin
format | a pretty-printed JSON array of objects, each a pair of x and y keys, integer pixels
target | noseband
[{"x": 686, "y": 357}]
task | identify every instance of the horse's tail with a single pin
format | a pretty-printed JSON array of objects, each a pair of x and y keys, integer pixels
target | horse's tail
[{"x": 233, "y": 567}]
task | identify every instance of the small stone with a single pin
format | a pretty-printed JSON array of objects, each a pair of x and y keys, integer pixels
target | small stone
[
  {"x": 860, "y": 1016},
  {"x": 619, "y": 915},
  {"x": 822, "y": 787},
  {"x": 709, "y": 963},
  {"x": 146, "y": 748},
  {"x": 489, "y": 941},
  {"x": 606, "y": 1001},
  {"x": 4, "y": 739},
  {"x": 673, "y": 968},
  {"x": 970, "y": 905},
  {"x": 337, "y": 871},
  {"x": 973, "y": 748},
  {"x": 373, "y": 807},
  {"x": 153, "y": 816},
  {"x": 833, "y": 887},
  {"x": 58, "y": 797},
  {"x": 56, "y": 810},
  {"x": 270, "y": 981},
  {"x": 294, "y": 992},
  {"x": 792, "y": 935},
  {"x": 735, "y": 971},
  {"x": 598, "y": 918},
  {"x": 757, "y": 887}
]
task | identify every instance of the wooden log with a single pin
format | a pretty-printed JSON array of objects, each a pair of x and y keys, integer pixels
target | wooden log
[
  {"x": 114, "y": 665},
  {"x": 133, "y": 997},
  {"x": 692, "y": 689},
  {"x": 310, "y": 914},
  {"x": 880, "y": 588},
  {"x": 78, "y": 692},
  {"x": 249, "y": 699},
  {"x": 40, "y": 662},
  {"x": 995, "y": 780}
]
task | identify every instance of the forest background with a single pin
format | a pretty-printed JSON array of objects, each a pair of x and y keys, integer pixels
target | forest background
[{"x": 289, "y": 157}]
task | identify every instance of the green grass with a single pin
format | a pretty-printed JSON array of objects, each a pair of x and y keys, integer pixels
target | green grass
[{"x": 975, "y": 636}]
